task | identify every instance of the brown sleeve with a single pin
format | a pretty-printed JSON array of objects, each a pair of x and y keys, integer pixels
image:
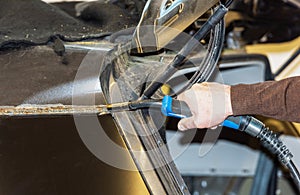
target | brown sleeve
[{"x": 275, "y": 99}]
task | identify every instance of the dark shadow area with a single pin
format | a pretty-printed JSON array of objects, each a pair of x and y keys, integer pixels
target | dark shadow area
[{"x": 47, "y": 156}]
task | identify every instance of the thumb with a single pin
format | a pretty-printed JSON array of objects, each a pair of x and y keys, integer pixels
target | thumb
[{"x": 186, "y": 123}]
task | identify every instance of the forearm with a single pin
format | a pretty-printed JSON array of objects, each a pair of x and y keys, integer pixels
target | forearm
[{"x": 276, "y": 99}]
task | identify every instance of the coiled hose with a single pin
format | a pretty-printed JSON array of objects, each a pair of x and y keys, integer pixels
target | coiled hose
[{"x": 269, "y": 140}]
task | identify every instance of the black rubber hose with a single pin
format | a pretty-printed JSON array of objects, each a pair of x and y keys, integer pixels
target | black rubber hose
[
  {"x": 206, "y": 67},
  {"x": 228, "y": 3},
  {"x": 271, "y": 142},
  {"x": 294, "y": 173},
  {"x": 181, "y": 57},
  {"x": 288, "y": 62}
]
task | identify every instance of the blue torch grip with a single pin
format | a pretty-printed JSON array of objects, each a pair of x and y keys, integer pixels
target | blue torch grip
[{"x": 179, "y": 109}]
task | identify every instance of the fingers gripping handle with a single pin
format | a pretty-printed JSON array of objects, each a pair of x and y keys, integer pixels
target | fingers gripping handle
[{"x": 179, "y": 109}]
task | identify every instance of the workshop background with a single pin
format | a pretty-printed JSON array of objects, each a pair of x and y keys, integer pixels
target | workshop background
[{"x": 45, "y": 44}]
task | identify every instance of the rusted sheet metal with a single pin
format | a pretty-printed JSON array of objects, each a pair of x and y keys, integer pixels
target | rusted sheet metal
[{"x": 55, "y": 109}]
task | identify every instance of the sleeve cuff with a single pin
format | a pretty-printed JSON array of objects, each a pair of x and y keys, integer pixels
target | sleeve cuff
[{"x": 244, "y": 100}]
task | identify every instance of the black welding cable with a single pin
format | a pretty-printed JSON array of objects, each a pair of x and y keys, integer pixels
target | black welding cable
[
  {"x": 206, "y": 67},
  {"x": 271, "y": 142},
  {"x": 228, "y": 3},
  {"x": 288, "y": 62},
  {"x": 294, "y": 173},
  {"x": 181, "y": 57}
]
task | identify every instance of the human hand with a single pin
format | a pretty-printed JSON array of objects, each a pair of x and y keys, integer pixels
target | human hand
[{"x": 209, "y": 103}]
